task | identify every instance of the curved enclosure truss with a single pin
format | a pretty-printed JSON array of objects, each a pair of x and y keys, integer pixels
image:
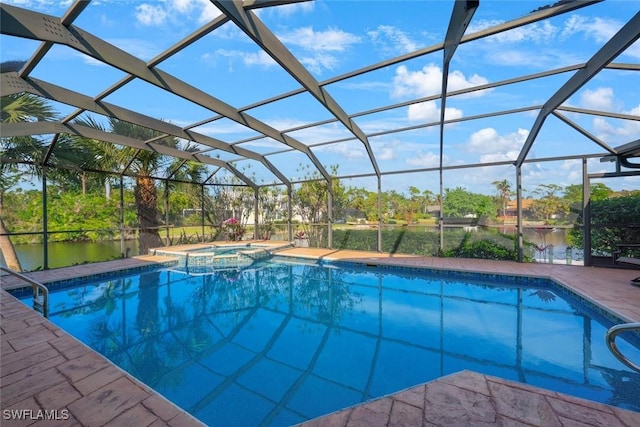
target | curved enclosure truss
[{"x": 342, "y": 122}]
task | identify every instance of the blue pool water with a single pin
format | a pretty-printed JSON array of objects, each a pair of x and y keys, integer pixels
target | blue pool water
[
  {"x": 285, "y": 342},
  {"x": 222, "y": 250}
]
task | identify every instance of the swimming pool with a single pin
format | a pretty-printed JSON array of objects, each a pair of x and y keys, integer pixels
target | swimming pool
[{"x": 283, "y": 342}]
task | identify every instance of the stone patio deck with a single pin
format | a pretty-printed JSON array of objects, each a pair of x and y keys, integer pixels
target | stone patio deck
[
  {"x": 471, "y": 399},
  {"x": 44, "y": 368}
]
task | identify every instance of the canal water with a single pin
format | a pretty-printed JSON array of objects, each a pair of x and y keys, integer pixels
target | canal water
[{"x": 64, "y": 254}]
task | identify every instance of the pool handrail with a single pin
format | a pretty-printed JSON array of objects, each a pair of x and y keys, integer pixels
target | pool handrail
[
  {"x": 38, "y": 289},
  {"x": 611, "y": 337}
]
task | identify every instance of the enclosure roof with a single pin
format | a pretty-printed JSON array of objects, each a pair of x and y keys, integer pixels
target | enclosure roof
[{"x": 275, "y": 91}]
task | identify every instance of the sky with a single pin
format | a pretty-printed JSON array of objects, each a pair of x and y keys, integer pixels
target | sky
[{"x": 332, "y": 38}]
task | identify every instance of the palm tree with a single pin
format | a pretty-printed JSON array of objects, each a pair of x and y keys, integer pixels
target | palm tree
[
  {"x": 504, "y": 193},
  {"x": 144, "y": 165},
  {"x": 18, "y": 150}
]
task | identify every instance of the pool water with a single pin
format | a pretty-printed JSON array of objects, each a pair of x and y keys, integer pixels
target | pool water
[
  {"x": 284, "y": 342},
  {"x": 222, "y": 250}
]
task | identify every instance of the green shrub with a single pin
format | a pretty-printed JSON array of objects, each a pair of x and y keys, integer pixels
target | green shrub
[
  {"x": 503, "y": 247},
  {"x": 459, "y": 244}
]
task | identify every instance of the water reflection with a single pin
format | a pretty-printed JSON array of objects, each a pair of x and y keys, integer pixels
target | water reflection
[{"x": 282, "y": 343}]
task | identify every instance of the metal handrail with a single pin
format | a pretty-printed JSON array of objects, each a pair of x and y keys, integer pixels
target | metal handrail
[
  {"x": 611, "y": 337},
  {"x": 40, "y": 291}
]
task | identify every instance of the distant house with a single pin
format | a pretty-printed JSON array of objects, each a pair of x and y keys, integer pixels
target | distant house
[
  {"x": 512, "y": 208},
  {"x": 351, "y": 214},
  {"x": 434, "y": 210}
]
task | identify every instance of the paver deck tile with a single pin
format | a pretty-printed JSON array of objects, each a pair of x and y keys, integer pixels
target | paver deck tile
[
  {"x": 523, "y": 405},
  {"x": 158, "y": 405},
  {"x": 25, "y": 358},
  {"x": 58, "y": 396},
  {"x": 403, "y": 414},
  {"x": 83, "y": 366},
  {"x": 577, "y": 412},
  {"x": 449, "y": 404},
  {"x": 68, "y": 422},
  {"x": 69, "y": 347},
  {"x": 98, "y": 379},
  {"x": 414, "y": 396},
  {"x": 184, "y": 420},
  {"x": 108, "y": 402},
  {"x": 32, "y": 369},
  {"x": 445, "y": 403},
  {"x": 136, "y": 416},
  {"x": 375, "y": 414},
  {"x": 29, "y": 386},
  {"x": 55, "y": 372}
]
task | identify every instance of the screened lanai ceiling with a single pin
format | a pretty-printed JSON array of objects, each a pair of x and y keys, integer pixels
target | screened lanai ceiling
[{"x": 272, "y": 92}]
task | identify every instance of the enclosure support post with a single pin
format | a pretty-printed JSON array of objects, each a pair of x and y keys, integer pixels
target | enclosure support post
[
  {"x": 289, "y": 212},
  {"x": 45, "y": 221},
  {"x": 166, "y": 211},
  {"x": 519, "y": 225},
  {"x": 256, "y": 225},
  {"x": 441, "y": 216},
  {"x": 123, "y": 252},
  {"x": 202, "y": 210},
  {"x": 379, "y": 214},
  {"x": 330, "y": 214},
  {"x": 586, "y": 213}
]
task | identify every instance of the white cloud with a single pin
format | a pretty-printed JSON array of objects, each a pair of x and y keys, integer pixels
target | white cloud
[
  {"x": 428, "y": 81},
  {"x": 598, "y": 29},
  {"x": 373, "y": 86},
  {"x": 513, "y": 43},
  {"x": 429, "y": 159},
  {"x": 183, "y": 6},
  {"x": 319, "y": 63},
  {"x": 319, "y": 47},
  {"x": 572, "y": 170},
  {"x": 628, "y": 130},
  {"x": 538, "y": 32},
  {"x": 350, "y": 151},
  {"x": 316, "y": 134},
  {"x": 598, "y": 99},
  {"x": 385, "y": 153},
  {"x": 547, "y": 57},
  {"x": 331, "y": 40},
  {"x": 259, "y": 58},
  {"x": 215, "y": 129},
  {"x": 157, "y": 14},
  {"x": 291, "y": 9},
  {"x": 494, "y": 147},
  {"x": 208, "y": 13},
  {"x": 151, "y": 15},
  {"x": 392, "y": 40},
  {"x": 499, "y": 157},
  {"x": 482, "y": 24},
  {"x": 603, "y": 98},
  {"x": 429, "y": 112},
  {"x": 47, "y": 6}
]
